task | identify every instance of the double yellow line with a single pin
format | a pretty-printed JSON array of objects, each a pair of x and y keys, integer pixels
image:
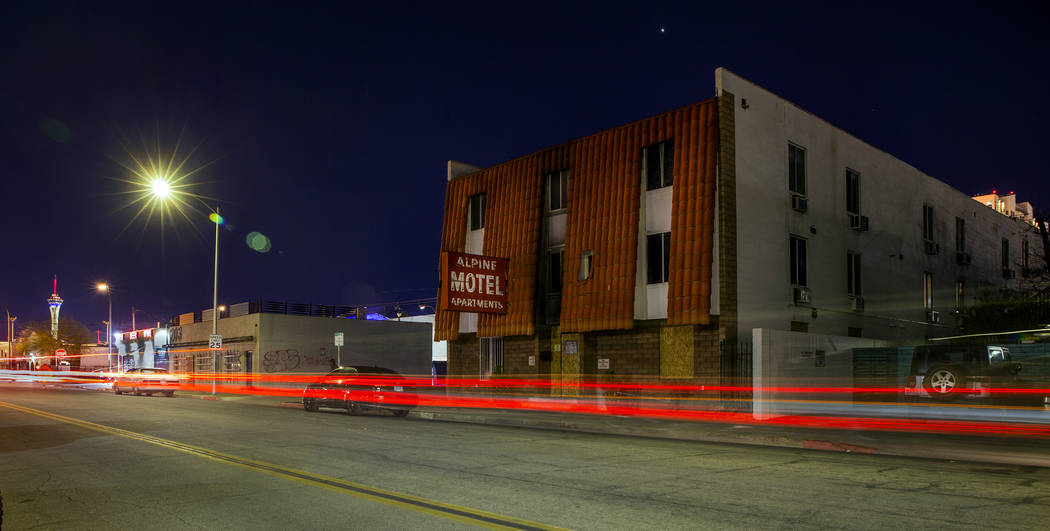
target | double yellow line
[{"x": 435, "y": 508}]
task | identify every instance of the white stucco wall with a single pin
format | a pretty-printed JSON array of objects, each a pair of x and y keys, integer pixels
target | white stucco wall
[{"x": 893, "y": 257}]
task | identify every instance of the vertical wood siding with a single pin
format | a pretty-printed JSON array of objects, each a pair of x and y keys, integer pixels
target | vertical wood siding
[{"x": 605, "y": 188}]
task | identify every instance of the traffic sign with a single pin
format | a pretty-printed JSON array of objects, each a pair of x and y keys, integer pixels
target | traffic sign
[
  {"x": 215, "y": 341},
  {"x": 338, "y": 339}
]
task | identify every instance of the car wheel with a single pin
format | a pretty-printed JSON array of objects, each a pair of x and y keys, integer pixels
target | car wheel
[
  {"x": 169, "y": 394},
  {"x": 117, "y": 391},
  {"x": 309, "y": 404},
  {"x": 944, "y": 382},
  {"x": 400, "y": 412},
  {"x": 135, "y": 391},
  {"x": 149, "y": 393},
  {"x": 352, "y": 408}
]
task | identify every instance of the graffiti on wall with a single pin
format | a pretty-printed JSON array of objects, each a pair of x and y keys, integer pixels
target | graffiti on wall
[{"x": 288, "y": 360}]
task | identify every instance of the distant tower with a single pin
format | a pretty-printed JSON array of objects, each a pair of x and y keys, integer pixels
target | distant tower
[{"x": 54, "y": 303}]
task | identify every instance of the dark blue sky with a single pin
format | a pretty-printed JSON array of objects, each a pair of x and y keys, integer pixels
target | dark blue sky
[{"x": 328, "y": 129}]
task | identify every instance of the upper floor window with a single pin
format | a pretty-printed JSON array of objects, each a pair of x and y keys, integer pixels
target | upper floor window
[
  {"x": 1006, "y": 253},
  {"x": 658, "y": 248},
  {"x": 852, "y": 192},
  {"x": 659, "y": 164},
  {"x": 555, "y": 261},
  {"x": 853, "y": 287},
  {"x": 960, "y": 235},
  {"x": 586, "y": 260},
  {"x": 477, "y": 211},
  {"x": 796, "y": 169},
  {"x": 557, "y": 190},
  {"x": 927, "y": 222},
  {"x": 798, "y": 260},
  {"x": 1024, "y": 254}
]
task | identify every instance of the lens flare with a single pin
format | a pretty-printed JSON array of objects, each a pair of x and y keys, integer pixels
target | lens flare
[{"x": 161, "y": 188}]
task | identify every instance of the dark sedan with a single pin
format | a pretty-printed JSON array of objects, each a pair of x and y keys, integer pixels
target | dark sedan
[{"x": 358, "y": 388}]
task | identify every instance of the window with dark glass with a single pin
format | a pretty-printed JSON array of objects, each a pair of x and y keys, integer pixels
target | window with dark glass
[
  {"x": 555, "y": 262},
  {"x": 557, "y": 190},
  {"x": 659, "y": 165},
  {"x": 1024, "y": 253},
  {"x": 960, "y": 235},
  {"x": 477, "y": 211},
  {"x": 1006, "y": 253},
  {"x": 658, "y": 249},
  {"x": 798, "y": 260},
  {"x": 852, "y": 192},
  {"x": 927, "y": 223},
  {"x": 853, "y": 287},
  {"x": 927, "y": 291},
  {"x": 796, "y": 169}
]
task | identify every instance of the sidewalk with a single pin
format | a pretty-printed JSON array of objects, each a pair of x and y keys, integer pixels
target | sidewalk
[{"x": 979, "y": 448}]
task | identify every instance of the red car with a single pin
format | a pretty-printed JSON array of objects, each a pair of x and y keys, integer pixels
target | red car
[
  {"x": 357, "y": 388},
  {"x": 145, "y": 381}
]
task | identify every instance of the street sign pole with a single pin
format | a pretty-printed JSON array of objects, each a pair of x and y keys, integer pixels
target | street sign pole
[
  {"x": 339, "y": 348},
  {"x": 214, "y": 344}
]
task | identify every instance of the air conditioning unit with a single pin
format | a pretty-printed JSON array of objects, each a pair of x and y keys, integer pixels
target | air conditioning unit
[
  {"x": 856, "y": 304},
  {"x": 801, "y": 295},
  {"x": 962, "y": 258},
  {"x": 858, "y": 223},
  {"x": 933, "y": 316},
  {"x": 798, "y": 203},
  {"x": 932, "y": 247},
  {"x": 1009, "y": 274}
]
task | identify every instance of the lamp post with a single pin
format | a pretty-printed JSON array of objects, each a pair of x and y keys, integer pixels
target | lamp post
[
  {"x": 104, "y": 288},
  {"x": 217, "y": 220},
  {"x": 10, "y": 325},
  {"x": 133, "y": 312}
]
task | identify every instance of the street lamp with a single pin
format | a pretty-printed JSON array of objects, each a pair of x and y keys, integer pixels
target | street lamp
[
  {"x": 103, "y": 287},
  {"x": 10, "y": 333},
  {"x": 133, "y": 312}
]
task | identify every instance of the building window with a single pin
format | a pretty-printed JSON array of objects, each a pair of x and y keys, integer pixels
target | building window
[
  {"x": 927, "y": 291},
  {"x": 796, "y": 169},
  {"x": 1024, "y": 254},
  {"x": 853, "y": 274},
  {"x": 960, "y": 235},
  {"x": 960, "y": 286},
  {"x": 658, "y": 247},
  {"x": 852, "y": 331},
  {"x": 1006, "y": 253},
  {"x": 477, "y": 212},
  {"x": 491, "y": 357},
  {"x": 927, "y": 222},
  {"x": 557, "y": 190},
  {"x": 852, "y": 192},
  {"x": 555, "y": 261},
  {"x": 586, "y": 259},
  {"x": 798, "y": 260},
  {"x": 659, "y": 165}
]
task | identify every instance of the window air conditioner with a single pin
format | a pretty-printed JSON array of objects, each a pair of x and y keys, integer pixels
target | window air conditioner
[
  {"x": 856, "y": 304},
  {"x": 801, "y": 295},
  {"x": 933, "y": 316},
  {"x": 932, "y": 247},
  {"x": 858, "y": 223},
  {"x": 962, "y": 258},
  {"x": 798, "y": 203}
]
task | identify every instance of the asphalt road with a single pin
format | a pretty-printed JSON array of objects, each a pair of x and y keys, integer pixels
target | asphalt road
[{"x": 92, "y": 460}]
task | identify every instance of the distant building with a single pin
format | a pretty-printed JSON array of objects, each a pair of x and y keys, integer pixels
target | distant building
[
  {"x": 656, "y": 247},
  {"x": 1007, "y": 205},
  {"x": 270, "y": 338}
]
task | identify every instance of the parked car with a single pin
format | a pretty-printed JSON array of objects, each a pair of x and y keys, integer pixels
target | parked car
[
  {"x": 949, "y": 372},
  {"x": 357, "y": 388},
  {"x": 145, "y": 381}
]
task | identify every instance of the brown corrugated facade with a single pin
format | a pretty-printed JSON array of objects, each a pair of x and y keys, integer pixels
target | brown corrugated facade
[{"x": 604, "y": 195}]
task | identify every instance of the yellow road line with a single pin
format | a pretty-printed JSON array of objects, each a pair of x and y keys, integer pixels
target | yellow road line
[{"x": 405, "y": 501}]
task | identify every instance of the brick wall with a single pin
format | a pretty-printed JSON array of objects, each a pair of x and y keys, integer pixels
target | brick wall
[
  {"x": 464, "y": 356},
  {"x": 635, "y": 352},
  {"x": 516, "y": 352}
]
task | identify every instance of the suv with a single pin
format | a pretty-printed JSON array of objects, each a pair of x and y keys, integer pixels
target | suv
[{"x": 947, "y": 372}]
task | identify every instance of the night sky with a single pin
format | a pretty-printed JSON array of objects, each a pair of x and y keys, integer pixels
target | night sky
[{"x": 328, "y": 130}]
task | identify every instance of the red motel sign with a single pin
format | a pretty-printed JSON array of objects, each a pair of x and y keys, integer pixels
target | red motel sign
[{"x": 473, "y": 283}]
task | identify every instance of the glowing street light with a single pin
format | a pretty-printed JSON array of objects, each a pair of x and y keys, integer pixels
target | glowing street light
[
  {"x": 103, "y": 287},
  {"x": 160, "y": 188}
]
